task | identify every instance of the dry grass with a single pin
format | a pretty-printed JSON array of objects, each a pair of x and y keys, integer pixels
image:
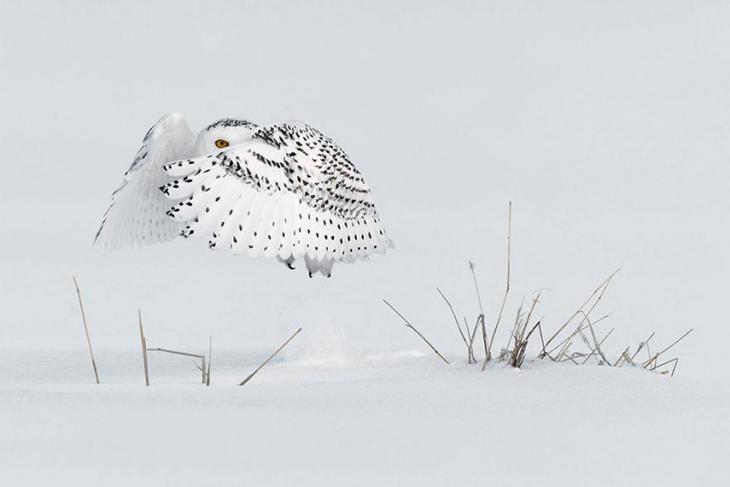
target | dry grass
[
  {"x": 202, "y": 367},
  {"x": 86, "y": 332},
  {"x": 575, "y": 340},
  {"x": 250, "y": 376}
]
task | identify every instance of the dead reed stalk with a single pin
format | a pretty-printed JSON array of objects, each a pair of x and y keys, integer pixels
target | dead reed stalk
[
  {"x": 488, "y": 355},
  {"x": 599, "y": 291},
  {"x": 467, "y": 342},
  {"x": 243, "y": 382},
  {"x": 480, "y": 318},
  {"x": 560, "y": 346},
  {"x": 144, "y": 349},
  {"x": 408, "y": 325},
  {"x": 203, "y": 367},
  {"x": 210, "y": 360},
  {"x": 86, "y": 331}
]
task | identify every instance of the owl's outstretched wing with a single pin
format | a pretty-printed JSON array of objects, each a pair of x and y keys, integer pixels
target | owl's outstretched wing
[
  {"x": 136, "y": 216},
  {"x": 288, "y": 192}
]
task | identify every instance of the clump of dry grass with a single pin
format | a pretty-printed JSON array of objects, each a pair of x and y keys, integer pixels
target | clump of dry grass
[
  {"x": 575, "y": 340},
  {"x": 201, "y": 362},
  {"x": 203, "y": 367}
]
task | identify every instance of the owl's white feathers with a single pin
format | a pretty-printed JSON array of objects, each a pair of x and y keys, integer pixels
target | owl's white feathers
[
  {"x": 280, "y": 191},
  {"x": 136, "y": 216}
]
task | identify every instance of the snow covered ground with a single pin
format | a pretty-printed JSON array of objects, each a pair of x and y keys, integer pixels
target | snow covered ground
[{"x": 374, "y": 419}]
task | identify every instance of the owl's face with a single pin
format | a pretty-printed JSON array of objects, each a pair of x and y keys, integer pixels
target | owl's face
[{"x": 223, "y": 134}]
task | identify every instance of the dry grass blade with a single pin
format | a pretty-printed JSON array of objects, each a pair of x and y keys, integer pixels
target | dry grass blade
[
  {"x": 674, "y": 361},
  {"x": 521, "y": 357},
  {"x": 515, "y": 326},
  {"x": 408, "y": 324},
  {"x": 243, "y": 382},
  {"x": 564, "y": 350},
  {"x": 144, "y": 349},
  {"x": 657, "y": 355},
  {"x": 577, "y": 331},
  {"x": 86, "y": 332},
  {"x": 485, "y": 341},
  {"x": 624, "y": 356},
  {"x": 506, "y": 290},
  {"x": 517, "y": 355},
  {"x": 676, "y": 341},
  {"x": 210, "y": 359},
  {"x": 599, "y": 344},
  {"x": 456, "y": 320},
  {"x": 643, "y": 344},
  {"x": 477, "y": 325},
  {"x": 204, "y": 367},
  {"x": 542, "y": 341},
  {"x": 599, "y": 292},
  {"x": 470, "y": 345},
  {"x": 569, "y": 358},
  {"x": 175, "y": 352}
]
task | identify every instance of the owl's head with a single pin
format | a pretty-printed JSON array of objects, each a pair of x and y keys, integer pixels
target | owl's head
[{"x": 223, "y": 133}]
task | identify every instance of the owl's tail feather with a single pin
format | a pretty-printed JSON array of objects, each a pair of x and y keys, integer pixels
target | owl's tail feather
[{"x": 323, "y": 266}]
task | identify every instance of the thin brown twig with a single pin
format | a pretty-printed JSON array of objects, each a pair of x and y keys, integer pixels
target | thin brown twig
[
  {"x": 568, "y": 357},
  {"x": 506, "y": 290},
  {"x": 564, "y": 350},
  {"x": 600, "y": 290},
  {"x": 243, "y": 382},
  {"x": 144, "y": 349},
  {"x": 481, "y": 311},
  {"x": 599, "y": 343},
  {"x": 656, "y": 356},
  {"x": 210, "y": 359},
  {"x": 470, "y": 345},
  {"x": 577, "y": 331},
  {"x": 515, "y": 326},
  {"x": 456, "y": 320},
  {"x": 204, "y": 367},
  {"x": 676, "y": 341},
  {"x": 86, "y": 332},
  {"x": 675, "y": 360},
  {"x": 542, "y": 339},
  {"x": 408, "y": 324},
  {"x": 477, "y": 325},
  {"x": 175, "y": 352},
  {"x": 621, "y": 357},
  {"x": 643, "y": 344},
  {"x": 517, "y": 355}
]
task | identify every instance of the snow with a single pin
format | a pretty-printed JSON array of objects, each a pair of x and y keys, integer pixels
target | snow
[{"x": 387, "y": 418}]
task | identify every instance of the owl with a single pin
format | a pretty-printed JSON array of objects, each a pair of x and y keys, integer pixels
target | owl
[{"x": 284, "y": 191}]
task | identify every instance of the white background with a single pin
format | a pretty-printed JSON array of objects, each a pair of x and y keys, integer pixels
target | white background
[{"x": 606, "y": 124}]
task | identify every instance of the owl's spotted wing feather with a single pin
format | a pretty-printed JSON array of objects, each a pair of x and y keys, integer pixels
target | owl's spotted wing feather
[
  {"x": 288, "y": 192},
  {"x": 136, "y": 216}
]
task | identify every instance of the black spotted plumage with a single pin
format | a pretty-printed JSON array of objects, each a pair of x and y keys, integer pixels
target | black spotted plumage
[
  {"x": 282, "y": 191},
  {"x": 293, "y": 176}
]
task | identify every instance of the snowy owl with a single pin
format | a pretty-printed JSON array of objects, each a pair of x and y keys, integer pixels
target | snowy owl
[{"x": 282, "y": 191}]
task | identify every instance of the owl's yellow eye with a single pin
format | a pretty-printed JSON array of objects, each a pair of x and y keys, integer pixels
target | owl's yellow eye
[{"x": 220, "y": 143}]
